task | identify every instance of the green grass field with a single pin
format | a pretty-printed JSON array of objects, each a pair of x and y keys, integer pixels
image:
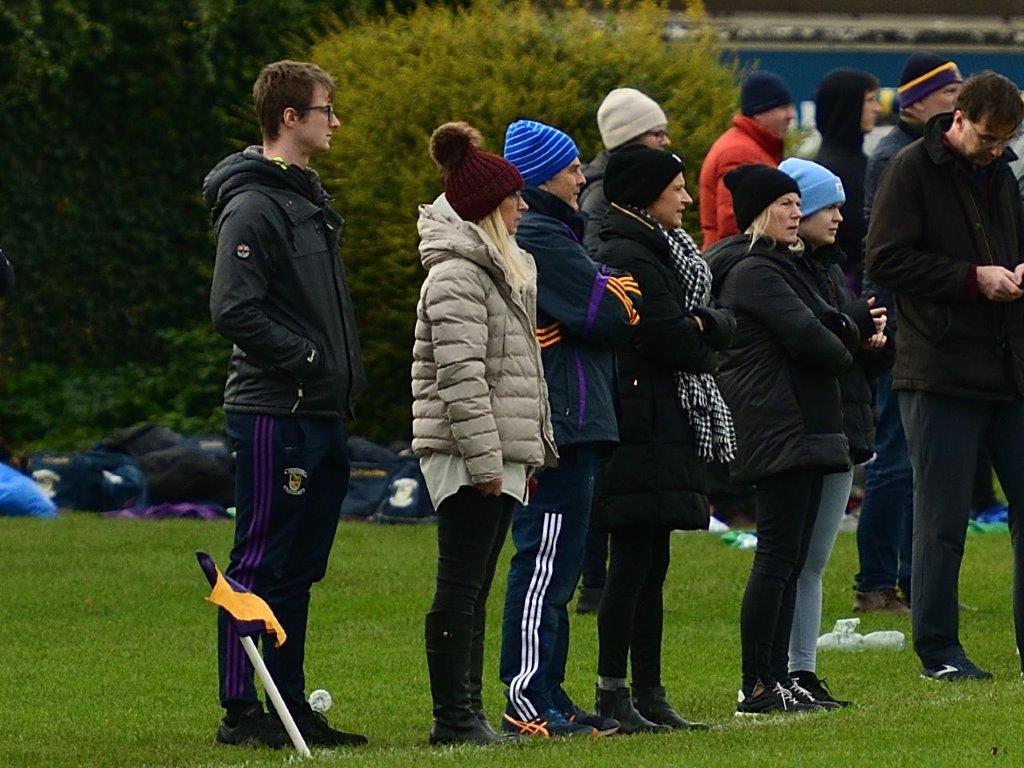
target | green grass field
[{"x": 107, "y": 658}]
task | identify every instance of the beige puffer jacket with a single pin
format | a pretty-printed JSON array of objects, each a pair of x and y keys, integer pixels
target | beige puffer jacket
[{"x": 477, "y": 378}]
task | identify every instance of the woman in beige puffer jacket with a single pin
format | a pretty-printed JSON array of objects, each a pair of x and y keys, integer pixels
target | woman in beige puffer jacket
[{"x": 480, "y": 407}]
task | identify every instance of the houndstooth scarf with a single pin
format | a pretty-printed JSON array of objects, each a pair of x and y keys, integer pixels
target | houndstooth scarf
[{"x": 698, "y": 393}]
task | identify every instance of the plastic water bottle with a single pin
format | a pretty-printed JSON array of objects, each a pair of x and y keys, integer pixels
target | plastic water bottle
[
  {"x": 843, "y": 636},
  {"x": 892, "y": 639},
  {"x": 740, "y": 540}
]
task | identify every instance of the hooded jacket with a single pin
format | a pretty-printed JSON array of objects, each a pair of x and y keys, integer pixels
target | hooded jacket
[
  {"x": 780, "y": 376},
  {"x": 477, "y": 377},
  {"x": 654, "y": 477},
  {"x": 583, "y": 313},
  {"x": 593, "y": 203},
  {"x": 839, "y": 105},
  {"x": 745, "y": 142},
  {"x": 903, "y": 134},
  {"x": 279, "y": 291},
  {"x": 935, "y": 220}
]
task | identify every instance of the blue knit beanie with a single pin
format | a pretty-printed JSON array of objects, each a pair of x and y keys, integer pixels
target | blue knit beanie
[
  {"x": 538, "y": 151},
  {"x": 819, "y": 187},
  {"x": 761, "y": 91}
]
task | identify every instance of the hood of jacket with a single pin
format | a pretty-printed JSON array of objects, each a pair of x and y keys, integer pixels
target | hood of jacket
[
  {"x": 445, "y": 235},
  {"x": 596, "y": 168},
  {"x": 249, "y": 169},
  {"x": 623, "y": 224},
  {"x": 839, "y": 105},
  {"x": 723, "y": 256}
]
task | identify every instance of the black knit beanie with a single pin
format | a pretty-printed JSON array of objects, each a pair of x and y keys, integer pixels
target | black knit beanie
[
  {"x": 754, "y": 187},
  {"x": 637, "y": 175}
]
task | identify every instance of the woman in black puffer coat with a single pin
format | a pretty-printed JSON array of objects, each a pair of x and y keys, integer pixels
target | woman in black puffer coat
[
  {"x": 672, "y": 422},
  {"x": 780, "y": 380}
]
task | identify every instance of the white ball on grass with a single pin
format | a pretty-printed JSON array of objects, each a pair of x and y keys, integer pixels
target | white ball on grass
[{"x": 320, "y": 700}]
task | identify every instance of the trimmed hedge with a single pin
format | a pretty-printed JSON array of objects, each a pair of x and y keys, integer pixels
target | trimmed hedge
[{"x": 400, "y": 76}]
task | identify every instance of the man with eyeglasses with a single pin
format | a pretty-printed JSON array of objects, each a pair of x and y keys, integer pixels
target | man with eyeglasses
[
  {"x": 625, "y": 118},
  {"x": 756, "y": 136},
  {"x": 946, "y": 238},
  {"x": 280, "y": 295}
]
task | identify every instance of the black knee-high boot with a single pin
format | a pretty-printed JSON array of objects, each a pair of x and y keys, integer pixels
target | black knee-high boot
[{"x": 449, "y": 639}]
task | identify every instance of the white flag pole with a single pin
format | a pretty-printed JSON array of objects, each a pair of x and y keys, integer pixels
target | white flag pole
[{"x": 275, "y": 697}]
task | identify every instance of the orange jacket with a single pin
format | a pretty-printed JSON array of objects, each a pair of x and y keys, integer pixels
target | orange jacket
[{"x": 746, "y": 142}]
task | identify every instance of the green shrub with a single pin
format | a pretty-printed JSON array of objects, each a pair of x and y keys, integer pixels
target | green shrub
[{"x": 401, "y": 76}]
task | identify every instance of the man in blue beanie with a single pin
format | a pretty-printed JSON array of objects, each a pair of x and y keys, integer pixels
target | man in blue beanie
[
  {"x": 766, "y": 112},
  {"x": 582, "y": 313},
  {"x": 929, "y": 85}
]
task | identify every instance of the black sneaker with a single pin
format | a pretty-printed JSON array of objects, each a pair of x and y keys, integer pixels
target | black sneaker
[
  {"x": 802, "y": 694},
  {"x": 955, "y": 670},
  {"x": 770, "y": 701},
  {"x": 817, "y": 687},
  {"x": 317, "y": 733},
  {"x": 252, "y": 727}
]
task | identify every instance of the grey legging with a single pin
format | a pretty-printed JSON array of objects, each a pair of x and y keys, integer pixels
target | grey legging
[{"x": 803, "y": 639}]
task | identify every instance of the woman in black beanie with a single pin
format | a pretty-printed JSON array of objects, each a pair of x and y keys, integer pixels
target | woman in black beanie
[
  {"x": 672, "y": 422},
  {"x": 779, "y": 379}
]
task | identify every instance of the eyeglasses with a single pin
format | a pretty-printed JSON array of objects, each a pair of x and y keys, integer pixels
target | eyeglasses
[
  {"x": 327, "y": 109},
  {"x": 986, "y": 141}
]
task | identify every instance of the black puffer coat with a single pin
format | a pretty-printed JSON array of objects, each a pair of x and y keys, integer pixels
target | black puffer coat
[
  {"x": 822, "y": 264},
  {"x": 654, "y": 476},
  {"x": 780, "y": 375}
]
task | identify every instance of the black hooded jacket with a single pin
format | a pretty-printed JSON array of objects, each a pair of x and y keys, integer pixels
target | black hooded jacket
[
  {"x": 780, "y": 376},
  {"x": 839, "y": 104},
  {"x": 279, "y": 291}
]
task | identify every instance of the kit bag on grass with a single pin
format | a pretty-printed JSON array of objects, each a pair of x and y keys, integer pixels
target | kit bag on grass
[
  {"x": 405, "y": 497},
  {"x": 91, "y": 480}
]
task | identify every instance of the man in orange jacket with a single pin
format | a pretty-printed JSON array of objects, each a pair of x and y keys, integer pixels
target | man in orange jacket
[{"x": 766, "y": 112}]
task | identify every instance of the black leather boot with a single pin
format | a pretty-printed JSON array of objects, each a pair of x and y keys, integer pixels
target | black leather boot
[
  {"x": 650, "y": 702},
  {"x": 617, "y": 704},
  {"x": 449, "y": 638},
  {"x": 476, "y": 673}
]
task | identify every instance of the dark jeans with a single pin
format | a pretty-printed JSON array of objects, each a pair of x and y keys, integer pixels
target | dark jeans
[
  {"x": 471, "y": 530},
  {"x": 885, "y": 529},
  {"x": 629, "y": 621},
  {"x": 787, "y": 506},
  {"x": 290, "y": 479},
  {"x": 944, "y": 435}
]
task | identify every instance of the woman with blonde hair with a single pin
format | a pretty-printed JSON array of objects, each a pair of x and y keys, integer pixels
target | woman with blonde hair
[
  {"x": 480, "y": 408},
  {"x": 779, "y": 378}
]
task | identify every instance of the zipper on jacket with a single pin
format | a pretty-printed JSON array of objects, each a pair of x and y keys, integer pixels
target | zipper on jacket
[{"x": 298, "y": 398}]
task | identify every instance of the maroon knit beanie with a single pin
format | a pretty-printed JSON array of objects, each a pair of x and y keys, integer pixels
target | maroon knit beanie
[{"x": 475, "y": 182}]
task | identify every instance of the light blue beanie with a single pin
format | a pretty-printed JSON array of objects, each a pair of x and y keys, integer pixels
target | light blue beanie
[
  {"x": 819, "y": 187},
  {"x": 537, "y": 150}
]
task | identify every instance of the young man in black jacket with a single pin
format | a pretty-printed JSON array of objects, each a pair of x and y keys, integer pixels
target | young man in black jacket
[
  {"x": 946, "y": 238},
  {"x": 279, "y": 293}
]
